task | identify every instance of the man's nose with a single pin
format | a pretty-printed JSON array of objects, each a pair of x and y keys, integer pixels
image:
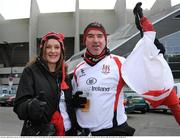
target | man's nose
[{"x": 95, "y": 39}]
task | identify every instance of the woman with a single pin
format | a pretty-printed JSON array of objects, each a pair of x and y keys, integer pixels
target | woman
[{"x": 38, "y": 95}]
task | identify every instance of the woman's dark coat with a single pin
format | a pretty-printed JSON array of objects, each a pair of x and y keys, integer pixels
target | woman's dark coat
[{"x": 37, "y": 79}]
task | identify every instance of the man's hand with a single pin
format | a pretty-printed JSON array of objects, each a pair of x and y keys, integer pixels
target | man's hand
[
  {"x": 138, "y": 11},
  {"x": 78, "y": 100}
]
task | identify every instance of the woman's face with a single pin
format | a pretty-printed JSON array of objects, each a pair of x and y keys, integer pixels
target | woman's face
[{"x": 52, "y": 51}]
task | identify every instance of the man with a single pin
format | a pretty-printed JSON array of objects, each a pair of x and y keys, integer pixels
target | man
[
  {"x": 100, "y": 77},
  {"x": 102, "y": 80}
]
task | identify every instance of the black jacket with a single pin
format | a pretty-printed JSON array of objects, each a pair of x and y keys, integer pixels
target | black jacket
[{"x": 36, "y": 78}]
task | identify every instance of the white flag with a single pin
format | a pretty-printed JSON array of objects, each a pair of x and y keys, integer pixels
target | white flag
[{"x": 147, "y": 72}]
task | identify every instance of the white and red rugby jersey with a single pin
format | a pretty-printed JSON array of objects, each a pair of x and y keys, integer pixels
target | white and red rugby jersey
[{"x": 100, "y": 82}]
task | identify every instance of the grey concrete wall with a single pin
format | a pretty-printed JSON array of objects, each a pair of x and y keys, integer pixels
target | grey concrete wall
[
  {"x": 14, "y": 31},
  {"x": 1, "y": 19},
  {"x": 64, "y": 22},
  {"x": 121, "y": 14},
  {"x": 76, "y": 25},
  {"x": 33, "y": 29},
  {"x": 59, "y": 22},
  {"x": 106, "y": 17}
]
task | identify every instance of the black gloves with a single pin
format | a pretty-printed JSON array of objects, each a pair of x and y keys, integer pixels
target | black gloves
[
  {"x": 143, "y": 24},
  {"x": 138, "y": 13},
  {"x": 79, "y": 101},
  {"x": 159, "y": 46},
  {"x": 36, "y": 110}
]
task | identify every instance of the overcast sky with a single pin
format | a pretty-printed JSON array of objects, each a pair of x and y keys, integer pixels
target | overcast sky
[{"x": 14, "y": 9}]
